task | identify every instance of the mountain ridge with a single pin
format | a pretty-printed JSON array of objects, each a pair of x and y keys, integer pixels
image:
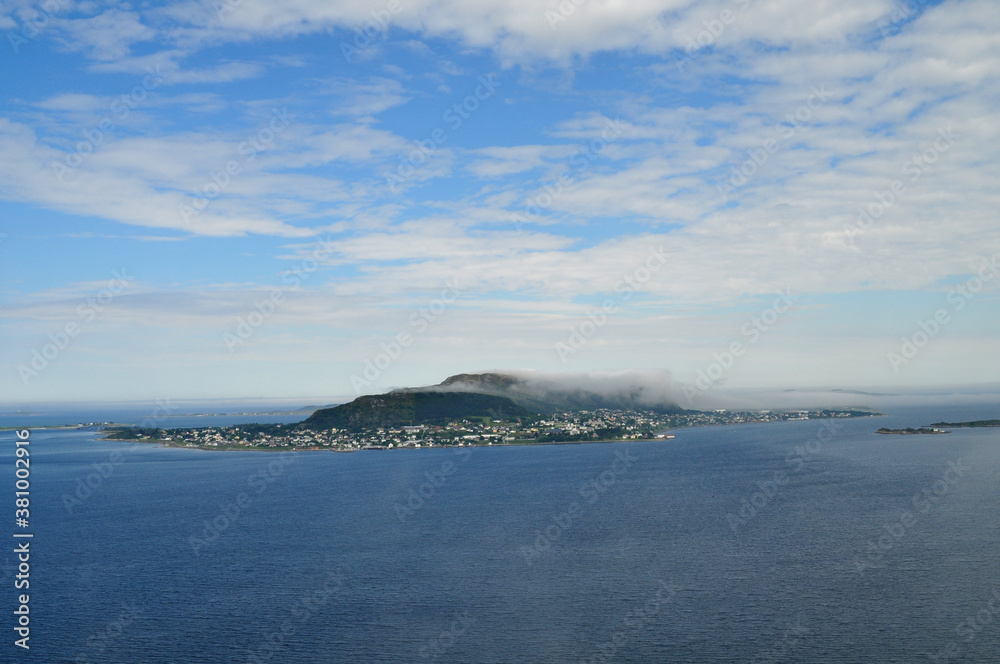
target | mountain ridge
[
  {"x": 549, "y": 395},
  {"x": 476, "y": 395},
  {"x": 396, "y": 409}
]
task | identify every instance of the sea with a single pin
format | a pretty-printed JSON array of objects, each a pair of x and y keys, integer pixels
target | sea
[{"x": 804, "y": 541}]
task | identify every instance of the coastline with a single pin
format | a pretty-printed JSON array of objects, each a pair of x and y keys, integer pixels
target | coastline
[
  {"x": 520, "y": 443},
  {"x": 231, "y": 448}
]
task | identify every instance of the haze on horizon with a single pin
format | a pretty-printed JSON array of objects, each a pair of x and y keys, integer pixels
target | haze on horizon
[{"x": 250, "y": 200}]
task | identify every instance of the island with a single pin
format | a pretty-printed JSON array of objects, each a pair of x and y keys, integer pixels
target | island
[
  {"x": 959, "y": 425},
  {"x": 471, "y": 409},
  {"x": 910, "y": 431}
]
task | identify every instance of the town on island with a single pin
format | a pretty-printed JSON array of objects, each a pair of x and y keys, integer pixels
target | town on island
[
  {"x": 467, "y": 410},
  {"x": 567, "y": 427}
]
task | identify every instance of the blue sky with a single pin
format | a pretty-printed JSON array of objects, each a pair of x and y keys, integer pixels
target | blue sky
[{"x": 257, "y": 199}]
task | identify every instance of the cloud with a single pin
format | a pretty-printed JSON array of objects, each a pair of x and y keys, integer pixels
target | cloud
[
  {"x": 519, "y": 31},
  {"x": 168, "y": 64},
  {"x": 658, "y": 182},
  {"x": 502, "y": 161},
  {"x": 106, "y": 37},
  {"x": 72, "y": 102},
  {"x": 118, "y": 183},
  {"x": 371, "y": 97},
  {"x": 646, "y": 388}
]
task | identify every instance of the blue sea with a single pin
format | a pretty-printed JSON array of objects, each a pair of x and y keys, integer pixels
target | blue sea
[{"x": 810, "y": 541}]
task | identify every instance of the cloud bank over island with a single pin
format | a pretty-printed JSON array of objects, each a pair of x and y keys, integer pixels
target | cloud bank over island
[{"x": 635, "y": 388}]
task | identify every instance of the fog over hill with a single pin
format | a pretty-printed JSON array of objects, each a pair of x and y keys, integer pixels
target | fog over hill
[{"x": 550, "y": 391}]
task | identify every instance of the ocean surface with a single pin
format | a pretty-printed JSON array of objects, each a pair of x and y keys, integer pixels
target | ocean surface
[{"x": 786, "y": 542}]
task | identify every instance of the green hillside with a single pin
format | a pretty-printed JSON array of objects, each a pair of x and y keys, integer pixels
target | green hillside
[{"x": 409, "y": 408}]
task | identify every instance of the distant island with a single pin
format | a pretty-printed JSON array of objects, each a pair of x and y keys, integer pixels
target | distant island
[
  {"x": 959, "y": 425},
  {"x": 87, "y": 425},
  {"x": 910, "y": 431},
  {"x": 473, "y": 409}
]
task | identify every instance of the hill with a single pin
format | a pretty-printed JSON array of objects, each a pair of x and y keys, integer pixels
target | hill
[
  {"x": 402, "y": 408},
  {"x": 549, "y": 394},
  {"x": 491, "y": 394}
]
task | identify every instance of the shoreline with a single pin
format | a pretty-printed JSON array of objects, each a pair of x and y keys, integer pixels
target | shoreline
[
  {"x": 523, "y": 443},
  {"x": 167, "y": 443}
]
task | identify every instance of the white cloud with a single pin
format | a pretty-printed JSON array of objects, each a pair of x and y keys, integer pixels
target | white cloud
[
  {"x": 108, "y": 36},
  {"x": 371, "y": 97},
  {"x": 493, "y": 162},
  {"x": 100, "y": 189},
  {"x": 166, "y": 63},
  {"x": 520, "y": 30},
  {"x": 74, "y": 103}
]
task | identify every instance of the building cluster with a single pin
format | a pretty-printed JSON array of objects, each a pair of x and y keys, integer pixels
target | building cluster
[{"x": 578, "y": 426}]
